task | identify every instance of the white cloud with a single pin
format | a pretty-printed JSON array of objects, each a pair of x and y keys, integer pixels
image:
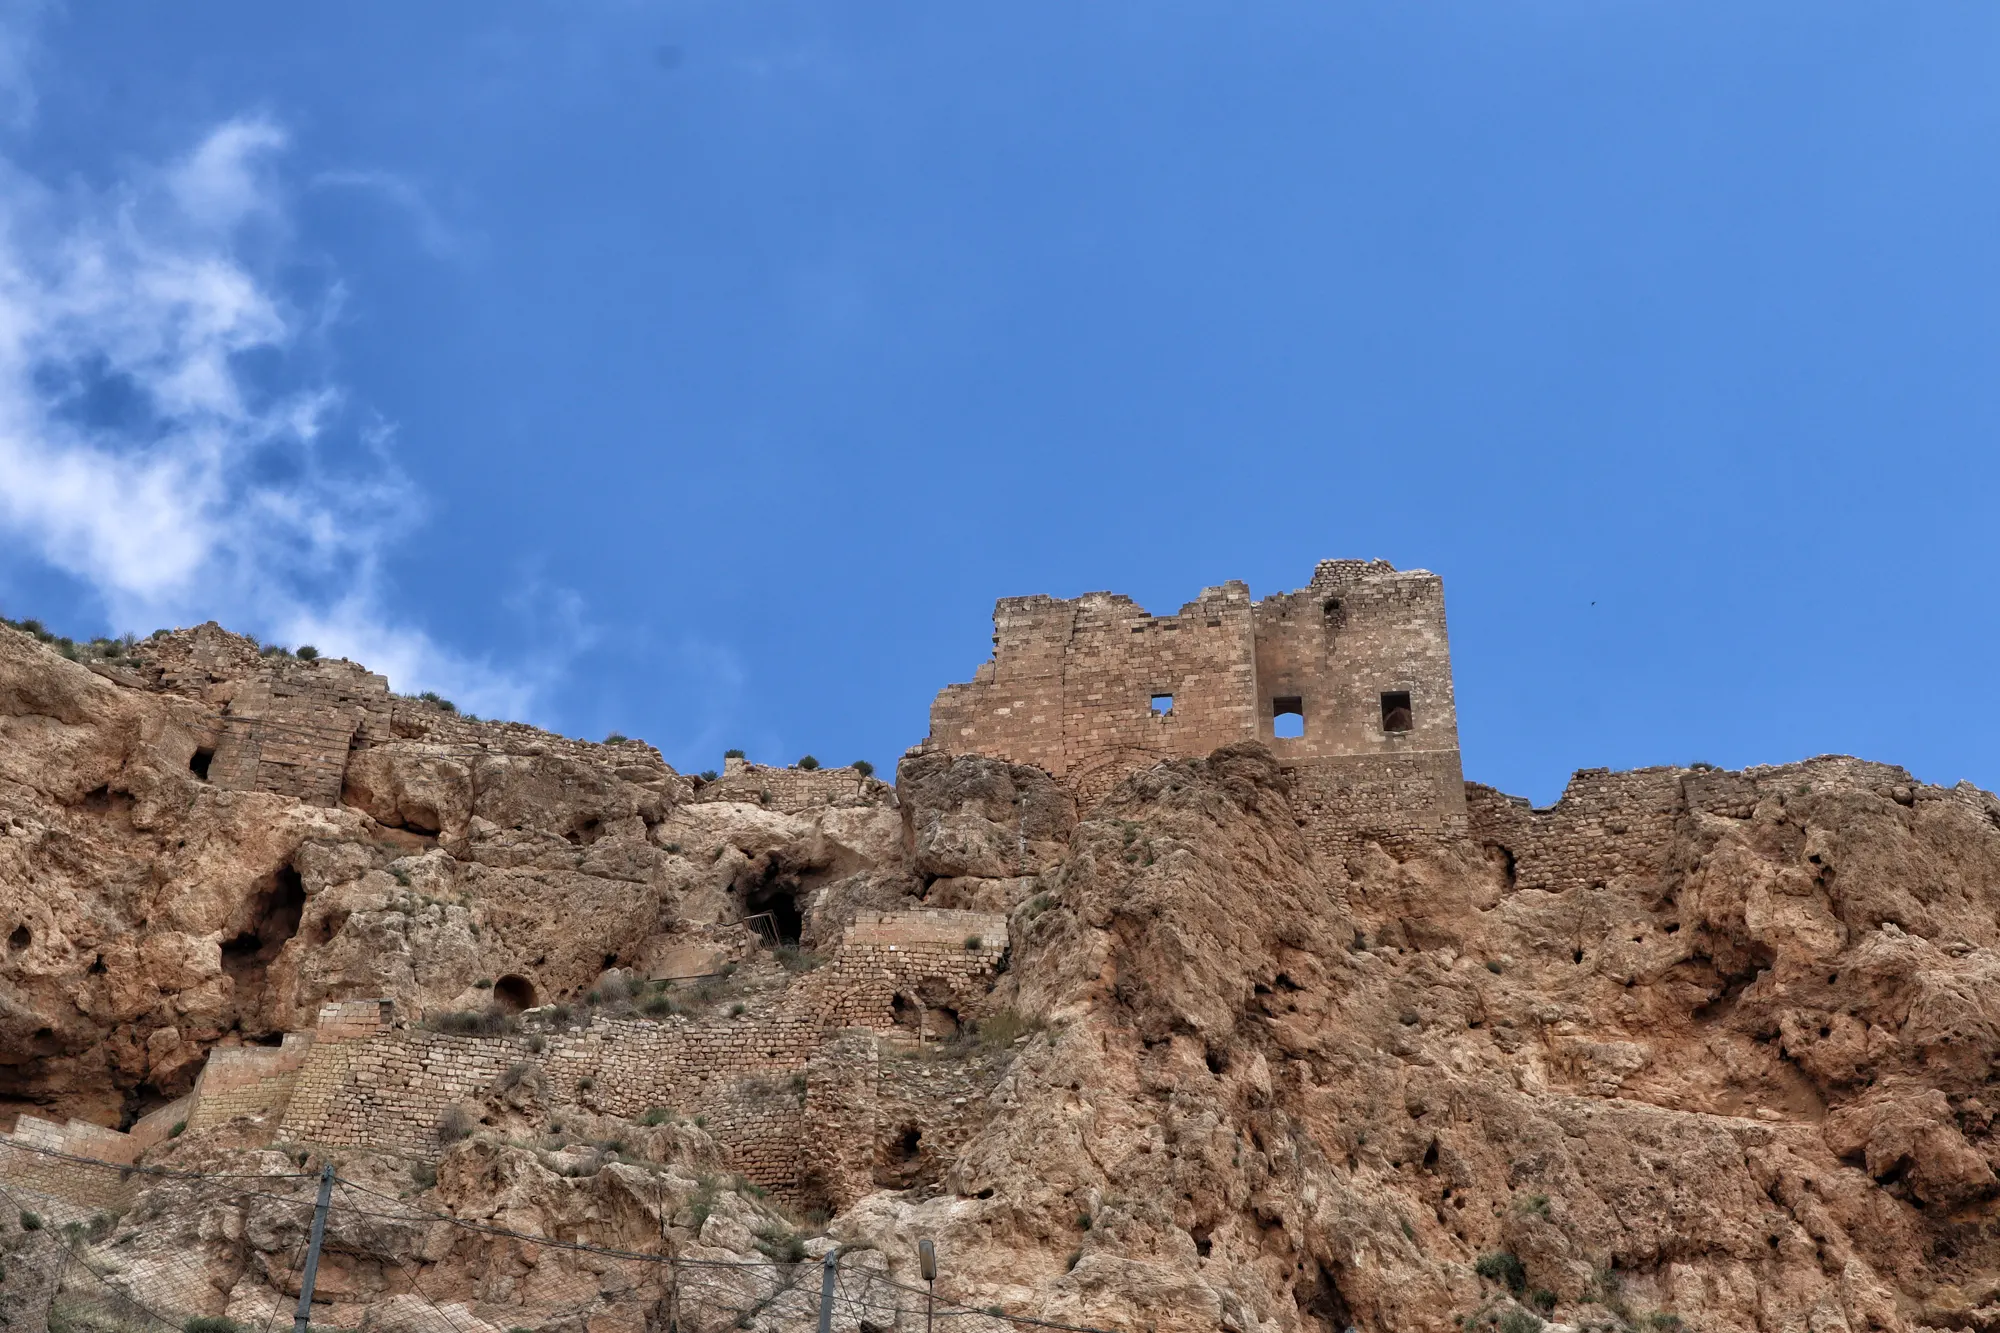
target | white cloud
[
  {"x": 141, "y": 454},
  {"x": 437, "y": 239}
]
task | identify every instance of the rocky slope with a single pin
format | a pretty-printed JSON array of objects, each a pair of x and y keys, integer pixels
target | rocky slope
[{"x": 1739, "y": 1081}]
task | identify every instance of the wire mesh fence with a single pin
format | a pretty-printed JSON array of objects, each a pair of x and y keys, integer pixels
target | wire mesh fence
[{"x": 97, "y": 1247}]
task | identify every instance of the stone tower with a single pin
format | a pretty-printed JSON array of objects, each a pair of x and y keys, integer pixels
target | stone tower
[{"x": 1348, "y": 680}]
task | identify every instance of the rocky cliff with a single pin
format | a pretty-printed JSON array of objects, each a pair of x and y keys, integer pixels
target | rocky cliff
[{"x": 1690, "y": 1048}]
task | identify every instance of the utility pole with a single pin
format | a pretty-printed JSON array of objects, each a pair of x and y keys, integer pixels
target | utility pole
[{"x": 303, "y": 1318}]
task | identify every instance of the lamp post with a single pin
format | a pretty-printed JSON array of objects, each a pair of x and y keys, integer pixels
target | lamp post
[{"x": 927, "y": 1268}]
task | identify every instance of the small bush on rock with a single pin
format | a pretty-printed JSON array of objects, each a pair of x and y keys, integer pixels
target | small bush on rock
[
  {"x": 454, "y": 1124},
  {"x": 1501, "y": 1266}
]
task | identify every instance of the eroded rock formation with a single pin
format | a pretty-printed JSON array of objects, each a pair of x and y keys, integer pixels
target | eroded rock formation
[{"x": 1695, "y": 1045}]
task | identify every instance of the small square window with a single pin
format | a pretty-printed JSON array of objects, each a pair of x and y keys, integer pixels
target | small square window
[
  {"x": 1396, "y": 714},
  {"x": 1163, "y": 704},
  {"x": 1288, "y": 717}
]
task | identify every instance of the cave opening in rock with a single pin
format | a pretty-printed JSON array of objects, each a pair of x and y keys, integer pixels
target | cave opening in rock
[
  {"x": 21, "y": 938},
  {"x": 1321, "y": 1300},
  {"x": 780, "y": 898},
  {"x": 198, "y": 765},
  {"x": 514, "y": 993},
  {"x": 899, "y": 1161},
  {"x": 264, "y": 923}
]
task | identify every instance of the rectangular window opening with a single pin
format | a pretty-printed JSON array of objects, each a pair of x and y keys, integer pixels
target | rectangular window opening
[
  {"x": 1288, "y": 717},
  {"x": 1396, "y": 714},
  {"x": 1163, "y": 704}
]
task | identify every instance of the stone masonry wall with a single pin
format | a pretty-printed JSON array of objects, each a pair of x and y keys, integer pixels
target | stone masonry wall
[
  {"x": 1095, "y": 688},
  {"x": 794, "y": 789},
  {"x": 1072, "y": 684},
  {"x": 1612, "y": 827},
  {"x": 362, "y": 1085},
  {"x": 247, "y": 1080}
]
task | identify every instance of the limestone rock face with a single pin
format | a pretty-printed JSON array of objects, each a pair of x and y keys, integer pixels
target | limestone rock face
[
  {"x": 1719, "y": 1046},
  {"x": 967, "y": 815}
]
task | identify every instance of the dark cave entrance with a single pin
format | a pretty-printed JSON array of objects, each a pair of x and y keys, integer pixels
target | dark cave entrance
[
  {"x": 264, "y": 923},
  {"x": 780, "y": 898},
  {"x": 514, "y": 993},
  {"x": 1320, "y": 1299},
  {"x": 198, "y": 765}
]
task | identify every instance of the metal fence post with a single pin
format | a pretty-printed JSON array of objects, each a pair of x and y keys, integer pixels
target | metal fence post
[
  {"x": 827, "y": 1268},
  {"x": 304, "y": 1315}
]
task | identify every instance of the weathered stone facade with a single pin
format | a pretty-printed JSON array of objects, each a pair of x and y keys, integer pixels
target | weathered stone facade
[
  {"x": 1093, "y": 688},
  {"x": 794, "y": 789},
  {"x": 363, "y": 1079}
]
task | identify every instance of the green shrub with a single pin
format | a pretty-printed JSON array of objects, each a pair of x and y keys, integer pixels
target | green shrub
[
  {"x": 1501, "y": 1266},
  {"x": 738, "y": 1009},
  {"x": 1545, "y": 1300},
  {"x": 180, "y": 1128},
  {"x": 796, "y": 960},
  {"x": 484, "y": 983},
  {"x": 1520, "y": 1321},
  {"x": 660, "y": 1006},
  {"x": 210, "y": 1323},
  {"x": 1002, "y": 1029},
  {"x": 308, "y": 653},
  {"x": 30, "y": 1221},
  {"x": 1535, "y": 1205},
  {"x": 616, "y": 738},
  {"x": 974, "y": 943},
  {"x": 1663, "y": 1321},
  {"x": 1083, "y": 1221},
  {"x": 709, "y": 775},
  {"x": 863, "y": 767},
  {"x": 733, "y": 754},
  {"x": 423, "y": 1175},
  {"x": 453, "y": 1124},
  {"x": 807, "y": 762},
  {"x": 656, "y": 1115},
  {"x": 782, "y": 1244},
  {"x": 472, "y": 1022}
]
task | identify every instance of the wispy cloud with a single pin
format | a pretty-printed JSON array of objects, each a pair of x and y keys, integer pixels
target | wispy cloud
[
  {"x": 162, "y": 435},
  {"x": 437, "y": 239}
]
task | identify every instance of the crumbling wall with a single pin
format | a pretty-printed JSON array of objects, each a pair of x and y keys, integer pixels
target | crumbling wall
[
  {"x": 794, "y": 789},
  {"x": 1072, "y": 685},
  {"x": 1092, "y": 689},
  {"x": 1617, "y": 826},
  {"x": 362, "y": 1083}
]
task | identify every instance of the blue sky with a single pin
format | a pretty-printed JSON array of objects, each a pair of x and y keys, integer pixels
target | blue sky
[{"x": 704, "y": 371}]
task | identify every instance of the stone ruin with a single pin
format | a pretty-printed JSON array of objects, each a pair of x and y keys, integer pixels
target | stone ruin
[
  {"x": 1087, "y": 690},
  {"x": 1348, "y": 680}
]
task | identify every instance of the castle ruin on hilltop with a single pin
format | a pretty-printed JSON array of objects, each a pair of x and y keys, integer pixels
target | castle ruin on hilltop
[{"x": 1348, "y": 680}]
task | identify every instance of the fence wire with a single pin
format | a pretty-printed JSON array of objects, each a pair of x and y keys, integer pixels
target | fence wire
[{"x": 96, "y": 1247}]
